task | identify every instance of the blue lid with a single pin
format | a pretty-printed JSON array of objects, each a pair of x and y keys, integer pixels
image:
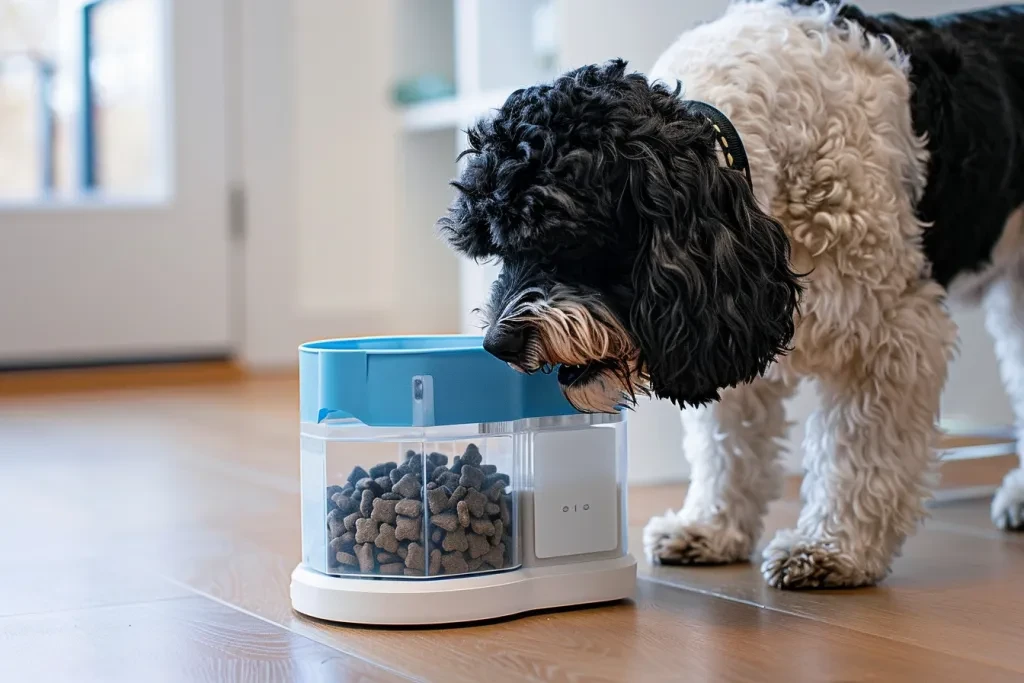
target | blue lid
[{"x": 419, "y": 381}]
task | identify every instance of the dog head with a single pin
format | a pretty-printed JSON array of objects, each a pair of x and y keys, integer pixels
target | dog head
[{"x": 632, "y": 261}]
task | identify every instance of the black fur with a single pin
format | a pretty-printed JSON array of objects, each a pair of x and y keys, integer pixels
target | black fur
[
  {"x": 608, "y": 187},
  {"x": 967, "y": 71}
]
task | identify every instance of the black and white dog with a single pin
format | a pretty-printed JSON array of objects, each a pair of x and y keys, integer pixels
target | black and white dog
[{"x": 850, "y": 172}]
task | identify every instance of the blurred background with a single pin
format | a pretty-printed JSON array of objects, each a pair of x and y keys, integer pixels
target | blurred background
[{"x": 187, "y": 180}]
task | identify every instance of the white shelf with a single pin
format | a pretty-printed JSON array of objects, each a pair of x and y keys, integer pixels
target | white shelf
[{"x": 451, "y": 112}]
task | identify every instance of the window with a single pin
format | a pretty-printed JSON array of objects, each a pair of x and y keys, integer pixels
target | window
[{"x": 82, "y": 99}]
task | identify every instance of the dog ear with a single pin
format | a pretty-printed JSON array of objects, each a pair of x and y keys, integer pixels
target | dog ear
[{"x": 714, "y": 295}]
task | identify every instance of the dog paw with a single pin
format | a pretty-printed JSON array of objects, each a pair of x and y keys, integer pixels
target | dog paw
[
  {"x": 793, "y": 561},
  {"x": 669, "y": 540},
  {"x": 1008, "y": 503}
]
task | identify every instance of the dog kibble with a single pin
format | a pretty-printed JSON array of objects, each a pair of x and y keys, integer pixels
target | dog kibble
[
  {"x": 456, "y": 540},
  {"x": 375, "y": 520},
  {"x": 364, "y": 552},
  {"x": 454, "y": 563},
  {"x": 367, "y": 530},
  {"x": 478, "y": 545},
  {"x": 407, "y": 487},
  {"x": 462, "y": 510},
  {"x": 393, "y": 568},
  {"x": 366, "y": 504},
  {"x": 484, "y": 527},
  {"x": 415, "y": 557},
  {"x": 448, "y": 521},
  {"x": 384, "y": 511},
  {"x": 472, "y": 477},
  {"x": 409, "y": 508},
  {"x": 407, "y": 529},
  {"x": 386, "y": 539}
]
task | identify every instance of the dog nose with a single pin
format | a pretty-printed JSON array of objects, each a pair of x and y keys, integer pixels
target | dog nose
[{"x": 506, "y": 343}]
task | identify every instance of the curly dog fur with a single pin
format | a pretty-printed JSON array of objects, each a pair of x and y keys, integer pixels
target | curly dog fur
[{"x": 887, "y": 160}]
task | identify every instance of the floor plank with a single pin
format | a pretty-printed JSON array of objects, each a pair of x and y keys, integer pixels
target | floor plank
[
  {"x": 187, "y": 639},
  {"x": 196, "y": 490}
]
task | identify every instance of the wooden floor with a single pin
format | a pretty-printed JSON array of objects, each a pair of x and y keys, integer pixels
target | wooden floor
[{"x": 148, "y": 535}]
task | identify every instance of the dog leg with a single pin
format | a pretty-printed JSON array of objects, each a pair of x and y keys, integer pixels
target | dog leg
[
  {"x": 1004, "y": 318},
  {"x": 733, "y": 449},
  {"x": 869, "y": 451}
]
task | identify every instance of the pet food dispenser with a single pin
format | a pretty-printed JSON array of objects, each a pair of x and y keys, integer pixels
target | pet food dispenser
[{"x": 441, "y": 486}]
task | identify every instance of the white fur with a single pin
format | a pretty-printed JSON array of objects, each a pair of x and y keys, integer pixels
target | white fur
[
  {"x": 824, "y": 114},
  {"x": 1004, "y": 318}
]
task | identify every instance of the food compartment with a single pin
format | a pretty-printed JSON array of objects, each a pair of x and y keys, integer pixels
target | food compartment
[{"x": 409, "y": 508}]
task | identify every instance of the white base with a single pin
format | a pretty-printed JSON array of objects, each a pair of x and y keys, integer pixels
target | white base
[{"x": 384, "y": 602}]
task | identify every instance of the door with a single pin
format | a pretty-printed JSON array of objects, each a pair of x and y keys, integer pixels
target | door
[{"x": 114, "y": 239}]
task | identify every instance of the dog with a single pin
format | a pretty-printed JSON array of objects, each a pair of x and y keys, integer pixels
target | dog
[{"x": 794, "y": 191}]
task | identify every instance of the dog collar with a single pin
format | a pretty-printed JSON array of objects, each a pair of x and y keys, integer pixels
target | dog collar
[{"x": 726, "y": 136}]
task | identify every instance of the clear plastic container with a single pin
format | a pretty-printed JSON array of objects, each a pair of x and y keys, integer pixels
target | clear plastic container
[{"x": 442, "y": 501}]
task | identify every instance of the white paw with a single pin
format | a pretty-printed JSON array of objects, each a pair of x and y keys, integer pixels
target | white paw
[
  {"x": 670, "y": 540},
  {"x": 794, "y": 561},
  {"x": 1008, "y": 503}
]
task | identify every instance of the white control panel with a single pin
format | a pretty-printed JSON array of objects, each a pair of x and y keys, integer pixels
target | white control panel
[{"x": 576, "y": 502}]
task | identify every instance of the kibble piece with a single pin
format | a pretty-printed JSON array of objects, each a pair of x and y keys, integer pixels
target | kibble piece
[
  {"x": 431, "y": 485},
  {"x": 413, "y": 572},
  {"x": 456, "y": 541},
  {"x": 476, "y": 502},
  {"x": 437, "y": 499},
  {"x": 331, "y": 490},
  {"x": 335, "y": 523},
  {"x": 457, "y": 464},
  {"x": 499, "y": 529},
  {"x": 408, "y": 486},
  {"x": 395, "y": 475},
  {"x": 393, "y": 568},
  {"x": 366, "y": 504},
  {"x": 491, "y": 478},
  {"x": 382, "y": 469},
  {"x": 391, "y": 495},
  {"x": 478, "y": 545},
  {"x": 413, "y": 463},
  {"x": 348, "y": 539},
  {"x": 348, "y": 489},
  {"x": 386, "y": 539},
  {"x": 367, "y": 530},
  {"x": 475, "y": 564},
  {"x": 437, "y": 536},
  {"x": 457, "y": 495},
  {"x": 462, "y": 510},
  {"x": 489, "y": 469},
  {"x": 409, "y": 508},
  {"x": 484, "y": 527},
  {"x": 437, "y": 459},
  {"x": 438, "y": 473},
  {"x": 408, "y": 529},
  {"x": 472, "y": 456},
  {"x": 492, "y": 510},
  {"x": 348, "y": 559},
  {"x": 369, "y": 484},
  {"x": 350, "y": 521},
  {"x": 448, "y": 521},
  {"x": 435, "y": 562},
  {"x": 357, "y": 474},
  {"x": 386, "y": 557},
  {"x": 454, "y": 563},
  {"x": 416, "y": 557},
  {"x": 449, "y": 480},
  {"x": 384, "y": 483},
  {"x": 365, "y": 554},
  {"x": 496, "y": 491},
  {"x": 403, "y": 550},
  {"x": 504, "y": 506},
  {"x": 344, "y": 502},
  {"x": 472, "y": 477},
  {"x": 384, "y": 510},
  {"x": 496, "y": 556}
]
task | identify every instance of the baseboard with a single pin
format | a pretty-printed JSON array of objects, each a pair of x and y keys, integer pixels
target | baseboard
[{"x": 117, "y": 377}]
